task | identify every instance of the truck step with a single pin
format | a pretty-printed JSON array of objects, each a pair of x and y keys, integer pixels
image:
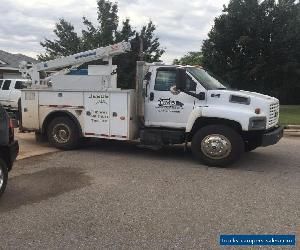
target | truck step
[{"x": 151, "y": 147}]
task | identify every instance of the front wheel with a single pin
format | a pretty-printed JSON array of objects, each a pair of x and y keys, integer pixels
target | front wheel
[
  {"x": 3, "y": 176},
  {"x": 63, "y": 133},
  {"x": 217, "y": 145}
]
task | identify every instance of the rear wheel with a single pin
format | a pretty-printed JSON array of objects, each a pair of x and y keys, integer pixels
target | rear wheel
[
  {"x": 63, "y": 133},
  {"x": 3, "y": 176},
  {"x": 217, "y": 145}
]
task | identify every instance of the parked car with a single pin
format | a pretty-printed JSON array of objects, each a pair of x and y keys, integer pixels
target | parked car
[
  {"x": 9, "y": 147},
  {"x": 10, "y": 93}
]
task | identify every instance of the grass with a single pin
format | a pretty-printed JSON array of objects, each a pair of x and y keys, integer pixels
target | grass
[{"x": 289, "y": 115}]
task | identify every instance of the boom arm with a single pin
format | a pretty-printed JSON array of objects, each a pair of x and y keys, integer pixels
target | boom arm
[{"x": 105, "y": 53}]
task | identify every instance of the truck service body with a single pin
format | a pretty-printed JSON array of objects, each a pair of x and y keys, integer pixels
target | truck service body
[{"x": 171, "y": 104}]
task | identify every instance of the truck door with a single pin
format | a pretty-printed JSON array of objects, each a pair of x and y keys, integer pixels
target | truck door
[
  {"x": 30, "y": 110},
  {"x": 1, "y": 83},
  {"x": 15, "y": 93},
  {"x": 162, "y": 108}
]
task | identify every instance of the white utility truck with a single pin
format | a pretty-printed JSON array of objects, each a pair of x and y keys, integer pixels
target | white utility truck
[
  {"x": 10, "y": 93},
  {"x": 170, "y": 105}
]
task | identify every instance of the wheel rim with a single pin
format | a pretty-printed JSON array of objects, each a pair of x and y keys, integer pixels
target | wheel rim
[
  {"x": 216, "y": 146},
  {"x": 61, "y": 133},
  {"x": 1, "y": 178}
]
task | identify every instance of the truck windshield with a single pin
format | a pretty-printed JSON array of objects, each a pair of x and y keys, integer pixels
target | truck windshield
[{"x": 207, "y": 81}]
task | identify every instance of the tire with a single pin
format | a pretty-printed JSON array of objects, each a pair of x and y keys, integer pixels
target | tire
[
  {"x": 40, "y": 138},
  {"x": 209, "y": 139},
  {"x": 63, "y": 133},
  {"x": 3, "y": 176}
]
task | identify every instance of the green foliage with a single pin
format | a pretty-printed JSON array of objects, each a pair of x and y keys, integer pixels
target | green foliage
[
  {"x": 256, "y": 46},
  {"x": 192, "y": 58},
  {"x": 127, "y": 62},
  {"x": 289, "y": 115},
  {"x": 104, "y": 33}
]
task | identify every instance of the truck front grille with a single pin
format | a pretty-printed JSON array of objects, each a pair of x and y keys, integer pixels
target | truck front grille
[{"x": 274, "y": 114}]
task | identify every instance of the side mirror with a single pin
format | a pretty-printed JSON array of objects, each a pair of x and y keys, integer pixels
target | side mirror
[
  {"x": 174, "y": 90},
  {"x": 181, "y": 79}
]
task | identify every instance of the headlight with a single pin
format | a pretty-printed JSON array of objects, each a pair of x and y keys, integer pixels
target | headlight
[{"x": 257, "y": 123}]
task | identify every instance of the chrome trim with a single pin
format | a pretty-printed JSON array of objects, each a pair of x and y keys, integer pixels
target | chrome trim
[
  {"x": 258, "y": 119},
  {"x": 216, "y": 146},
  {"x": 273, "y": 114},
  {"x": 1, "y": 177},
  {"x": 61, "y": 133}
]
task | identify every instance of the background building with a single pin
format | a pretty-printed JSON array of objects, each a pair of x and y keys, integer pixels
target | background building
[{"x": 9, "y": 64}]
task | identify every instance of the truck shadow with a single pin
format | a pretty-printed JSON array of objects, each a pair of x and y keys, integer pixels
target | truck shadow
[
  {"x": 129, "y": 148},
  {"x": 38, "y": 186},
  {"x": 260, "y": 160}
]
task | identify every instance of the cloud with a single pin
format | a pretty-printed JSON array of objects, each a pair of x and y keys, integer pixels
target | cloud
[{"x": 181, "y": 25}]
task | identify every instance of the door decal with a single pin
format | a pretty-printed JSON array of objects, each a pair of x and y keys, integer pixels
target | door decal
[
  {"x": 169, "y": 105},
  {"x": 97, "y": 108}
]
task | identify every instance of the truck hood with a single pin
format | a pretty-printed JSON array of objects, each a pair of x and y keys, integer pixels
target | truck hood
[
  {"x": 268, "y": 105},
  {"x": 258, "y": 95},
  {"x": 243, "y": 93}
]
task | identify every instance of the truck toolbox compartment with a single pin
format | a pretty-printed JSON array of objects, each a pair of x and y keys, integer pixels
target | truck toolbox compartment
[{"x": 109, "y": 114}]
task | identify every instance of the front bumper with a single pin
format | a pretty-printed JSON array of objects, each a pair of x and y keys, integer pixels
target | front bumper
[{"x": 271, "y": 137}]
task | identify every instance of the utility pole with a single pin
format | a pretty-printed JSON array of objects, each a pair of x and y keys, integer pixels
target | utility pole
[{"x": 141, "y": 53}]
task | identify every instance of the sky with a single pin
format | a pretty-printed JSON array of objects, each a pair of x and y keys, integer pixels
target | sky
[{"x": 182, "y": 25}]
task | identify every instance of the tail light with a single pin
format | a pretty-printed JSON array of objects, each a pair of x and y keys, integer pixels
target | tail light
[{"x": 11, "y": 130}]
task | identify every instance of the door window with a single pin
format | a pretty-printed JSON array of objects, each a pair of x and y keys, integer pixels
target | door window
[
  {"x": 19, "y": 85},
  {"x": 6, "y": 85},
  {"x": 1, "y": 81},
  {"x": 190, "y": 84},
  {"x": 165, "y": 79}
]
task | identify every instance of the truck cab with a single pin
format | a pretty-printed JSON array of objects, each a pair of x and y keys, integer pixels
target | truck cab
[{"x": 190, "y": 105}]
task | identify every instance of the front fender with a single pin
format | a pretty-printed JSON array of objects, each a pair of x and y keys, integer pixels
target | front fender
[
  {"x": 240, "y": 116},
  {"x": 196, "y": 113}
]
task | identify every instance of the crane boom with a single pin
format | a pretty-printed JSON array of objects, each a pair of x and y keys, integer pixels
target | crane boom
[{"x": 105, "y": 53}]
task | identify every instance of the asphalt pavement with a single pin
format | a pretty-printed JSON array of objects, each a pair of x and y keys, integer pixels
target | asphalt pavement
[{"x": 113, "y": 195}]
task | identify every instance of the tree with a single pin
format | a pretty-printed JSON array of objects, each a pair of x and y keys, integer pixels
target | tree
[
  {"x": 151, "y": 46},
  {"x": 67, "y": 43},
  {"x": 191, "y": 58},
  {"x": 255, "y": 46},
  {"x": 127, "y": 62},
  {"x": 104, "y": 33}
]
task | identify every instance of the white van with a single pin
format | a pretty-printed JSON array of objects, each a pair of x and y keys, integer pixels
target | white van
[{"x": 10, "y": 92}]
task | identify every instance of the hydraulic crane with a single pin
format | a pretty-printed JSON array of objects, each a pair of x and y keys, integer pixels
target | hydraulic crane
[{"x": 32, "y": 71}]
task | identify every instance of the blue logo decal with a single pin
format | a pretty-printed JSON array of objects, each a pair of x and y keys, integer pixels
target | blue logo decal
[
  {"x": 85, "y": 55},
  {"x": 257, "y": 240}
]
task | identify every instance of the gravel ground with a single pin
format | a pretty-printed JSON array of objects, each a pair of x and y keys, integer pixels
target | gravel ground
[{"x": 112, "y": 195}]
